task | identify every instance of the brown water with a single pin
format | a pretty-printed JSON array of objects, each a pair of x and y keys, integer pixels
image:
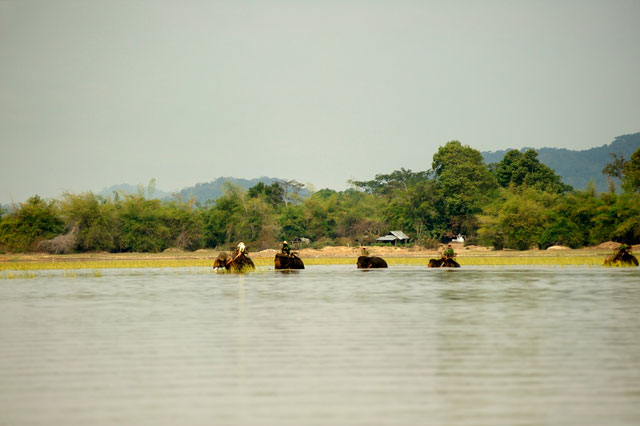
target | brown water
[{"x": 330, "y": 345}]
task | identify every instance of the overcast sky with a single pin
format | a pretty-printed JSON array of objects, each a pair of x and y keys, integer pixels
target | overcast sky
[{"x": 95, "y": 93}]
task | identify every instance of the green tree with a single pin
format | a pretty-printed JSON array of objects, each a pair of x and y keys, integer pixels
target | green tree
[
  {"x": 143, "y": 225},
  {"x": 358, "y": 217},
  {"x": 523, "y": 219},
  {"x": 571, "y": 219},
  {"x": 96, "y": 219},
  {"x": 219, "y": 226},
  {"x": 416, "y": 211},
  {"x": 517, "y": 219},
  {"x": 31, "y": 222},
  {"x": 185, "y": 223},
  {"x": 273, "y": 194},
  {"x": 236, "y": 216},
  {"x": 388, "y": 184},
  {"x": 292, "y": 222},
  {"x": 615, "y": 168},
  {"x": 632, "y": 172},
  {"x": 625, "y": 210},
  {"x": 320, "y": 216},
  {"x": 627, "y": 171},
  {"x": 464, "y": 182},
  {"x": 524, "y": 169},
  {"x": 561, "y": 231}
]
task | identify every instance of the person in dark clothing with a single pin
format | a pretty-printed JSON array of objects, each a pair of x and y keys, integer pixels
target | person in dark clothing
[
  {"x": 285, "y": 248},
  {"x": 621, "y": 252},
  {"x": 449, "y": 253}
]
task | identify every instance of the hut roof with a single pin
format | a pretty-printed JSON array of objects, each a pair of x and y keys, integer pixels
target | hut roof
[
  {"x": 401, "y": 235},
  {"x": 393, "y": 236}
]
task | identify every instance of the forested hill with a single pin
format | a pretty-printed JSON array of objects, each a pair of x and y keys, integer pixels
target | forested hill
[{"x": 577, "y": 168}]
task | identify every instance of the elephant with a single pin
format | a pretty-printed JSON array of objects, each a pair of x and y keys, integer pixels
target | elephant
[
  {"x": 443, "y": 262},
  {"x": 621, "y": 258},
  {"x": 367, "y": 262},
  {"x": 233, "y": 263},
  {"x": 288, "y": 261}
]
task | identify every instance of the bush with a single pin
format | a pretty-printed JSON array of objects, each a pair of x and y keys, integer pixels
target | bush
[
  {"x": 31, "y": 222},
  {"x": 429, "y": 243},
  {"x": 322, "y": 242}
]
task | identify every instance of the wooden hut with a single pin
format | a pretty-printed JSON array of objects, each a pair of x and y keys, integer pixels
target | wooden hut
[{"x": 394, "y": 237}]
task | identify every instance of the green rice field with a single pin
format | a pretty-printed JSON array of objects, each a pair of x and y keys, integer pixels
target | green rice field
[{"x": 9, "y": 268}]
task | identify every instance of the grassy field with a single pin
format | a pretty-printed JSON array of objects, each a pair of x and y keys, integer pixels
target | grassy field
[{"x": 20, "y": 265}]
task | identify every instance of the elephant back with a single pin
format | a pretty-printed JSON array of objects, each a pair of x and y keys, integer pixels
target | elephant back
[
  {"x": 283, "y": 261},
  {"x": 366, "y": 262}
]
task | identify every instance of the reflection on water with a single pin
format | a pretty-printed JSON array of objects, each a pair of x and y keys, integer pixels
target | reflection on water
[{"x": 329, "y": 345}]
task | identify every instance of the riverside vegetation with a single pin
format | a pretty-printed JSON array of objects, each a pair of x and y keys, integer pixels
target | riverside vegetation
[{"x": 518, "y": 203}]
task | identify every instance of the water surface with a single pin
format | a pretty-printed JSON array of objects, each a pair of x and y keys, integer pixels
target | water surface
[{"x": 330, "y": 345}]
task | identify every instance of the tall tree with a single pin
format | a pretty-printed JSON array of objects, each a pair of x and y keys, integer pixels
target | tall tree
[
  {"x": 291, "y": 190},
  {"x": 464, "y": 182},
  {"x": 386, "y": 184},
  {"x": 632, "y": 172},
  {"x": 524, "y": 169},
  {"x": 273, "y": 194},
  {"x": 627, "y": 171}
]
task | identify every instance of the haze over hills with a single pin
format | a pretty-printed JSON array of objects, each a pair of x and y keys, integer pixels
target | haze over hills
[
  {"x": 202, "y": 192},
  {"x": 577, "y": 168},
  {"x": 133, "y": 189}
]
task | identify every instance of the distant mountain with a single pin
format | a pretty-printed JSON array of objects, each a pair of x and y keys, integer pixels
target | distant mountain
[
  {"x": 133, "y": 189},
  {"x": 577, "y": 168},
  {"x": 202, "y": 192}
]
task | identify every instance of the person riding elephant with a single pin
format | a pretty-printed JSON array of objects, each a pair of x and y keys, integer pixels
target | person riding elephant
[
  {"x": 622, "y": 256},
  {"x": 239, "y": 261},
  {"x": 285, "y": 248},
  {"x": 446, "y": 260}
]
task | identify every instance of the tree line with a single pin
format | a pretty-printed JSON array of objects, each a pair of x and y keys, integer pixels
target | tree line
[{"x": 518, "y": 203}]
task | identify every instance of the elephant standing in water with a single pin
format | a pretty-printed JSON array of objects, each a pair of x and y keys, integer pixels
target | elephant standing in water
[
  {"x": 288, "y": 261},
  {"x": 443, "y": 263},
  {"x": 367, "y": 262},
  {"x": 622, "y": 256},
  {"x": 237, "y": 262}
]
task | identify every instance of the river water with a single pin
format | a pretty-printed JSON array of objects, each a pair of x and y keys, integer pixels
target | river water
[{"x": 330, "y": 345}]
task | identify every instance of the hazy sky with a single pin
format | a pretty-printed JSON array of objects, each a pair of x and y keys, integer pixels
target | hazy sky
[{"x": 99, "y": 93}]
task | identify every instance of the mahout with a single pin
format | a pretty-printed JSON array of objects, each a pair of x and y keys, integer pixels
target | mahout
[{"x": 236, "y": 261}]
